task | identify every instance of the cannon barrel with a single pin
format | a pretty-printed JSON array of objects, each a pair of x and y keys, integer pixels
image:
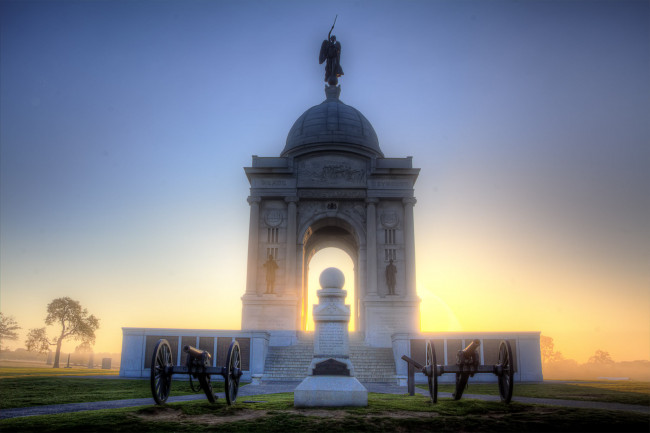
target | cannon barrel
[
  {"x": 471, "y": 347},
  {"x": 197, "y": 357},
  {"x": 193, "y": 352}
]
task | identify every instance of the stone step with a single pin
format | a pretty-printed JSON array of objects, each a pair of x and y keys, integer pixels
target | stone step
[{"x": 290, "y": 363}]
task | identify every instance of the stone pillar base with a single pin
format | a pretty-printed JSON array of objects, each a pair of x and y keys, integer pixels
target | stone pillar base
[{"x": 330, "y": 391}]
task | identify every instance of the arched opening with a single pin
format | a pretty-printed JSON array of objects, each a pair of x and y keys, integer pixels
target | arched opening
[
  {"x": 325, "y": 258},
  {"x": 339, "y": 240}
]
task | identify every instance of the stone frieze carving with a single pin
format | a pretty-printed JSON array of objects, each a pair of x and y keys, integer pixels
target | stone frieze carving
[{"x": 332, "y": 171}]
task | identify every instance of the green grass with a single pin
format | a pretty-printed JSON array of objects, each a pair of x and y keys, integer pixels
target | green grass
[
  {"x": 28, "y": 391},
  {"x": 394, "y": 413},
  {"x": 625, "y": 392}
]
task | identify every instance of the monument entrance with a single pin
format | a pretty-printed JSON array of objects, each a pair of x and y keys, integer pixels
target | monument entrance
[
  {"x": 341, "y": 259},
  {"x": 331, "y": 186}
]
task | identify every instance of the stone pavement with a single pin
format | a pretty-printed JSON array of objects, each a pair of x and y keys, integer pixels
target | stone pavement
[{"x": 273, "y": 388}]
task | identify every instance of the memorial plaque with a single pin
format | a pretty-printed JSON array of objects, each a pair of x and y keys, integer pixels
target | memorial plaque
[{"x": 331, "y": 367}]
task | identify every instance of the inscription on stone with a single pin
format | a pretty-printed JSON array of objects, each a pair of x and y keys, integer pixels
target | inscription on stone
[
  {"x": 271, "y": 183},
  {"x": 391, "y": 184},
  {"x": 331, "y": 367},
  {"x": 315, "y": 193},
  {"x": 330, "y": 337}
]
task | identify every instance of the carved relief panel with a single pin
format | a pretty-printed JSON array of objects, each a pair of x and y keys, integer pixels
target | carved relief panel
[{"x": 332, "y": 171}]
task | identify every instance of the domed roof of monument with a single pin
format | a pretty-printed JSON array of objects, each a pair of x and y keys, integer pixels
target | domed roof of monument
[{"x": 332, "y": 125}]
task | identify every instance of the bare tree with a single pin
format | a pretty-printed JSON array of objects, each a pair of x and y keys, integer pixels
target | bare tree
[
  {"x": 75, "y": 324},
  {"x": 8, "y": 328}
]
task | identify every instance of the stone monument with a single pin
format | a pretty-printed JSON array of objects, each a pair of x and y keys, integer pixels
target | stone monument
[
  {"x": 332, "y": 187},
  {"x": 330, "y": 380}
]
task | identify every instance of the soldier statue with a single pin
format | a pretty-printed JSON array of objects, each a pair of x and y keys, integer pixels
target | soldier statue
[
  {"x": 330, "y": 51},
  {"x": 270, "y": 266},
  {"x": 391, "y": 270}
]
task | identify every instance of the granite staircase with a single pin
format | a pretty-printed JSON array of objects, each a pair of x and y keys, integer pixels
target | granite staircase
[{"x": 290, "y": 363}]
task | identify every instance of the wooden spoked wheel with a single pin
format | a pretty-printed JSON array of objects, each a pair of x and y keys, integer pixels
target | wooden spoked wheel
[
  {"x": 433, "y": 377},
  {"x": 161, "y": 377},
  {"x": 506, "y": 371},
  {"x": 233, "y": 372}
]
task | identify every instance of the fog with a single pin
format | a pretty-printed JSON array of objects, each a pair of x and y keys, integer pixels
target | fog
[{"x": 569, "y": 369}]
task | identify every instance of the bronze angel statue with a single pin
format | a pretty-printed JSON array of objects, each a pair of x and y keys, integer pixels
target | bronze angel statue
[{"x": 330, "y": 51}]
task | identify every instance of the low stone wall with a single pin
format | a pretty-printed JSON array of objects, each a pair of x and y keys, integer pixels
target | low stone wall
[
  {"x": 138, "y": 343},
  {"x": 525, "y": 348}
]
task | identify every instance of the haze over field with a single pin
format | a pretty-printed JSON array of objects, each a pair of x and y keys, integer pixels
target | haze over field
[{"x": 124, "y": 127}]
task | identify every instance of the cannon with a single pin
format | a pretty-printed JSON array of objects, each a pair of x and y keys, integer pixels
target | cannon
[
  {"x": 467, "y": 365},
  {"x": 198, "y": 365}
]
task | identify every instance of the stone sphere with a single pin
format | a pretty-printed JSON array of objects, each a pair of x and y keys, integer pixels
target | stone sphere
[{"x": 331, "y": 278}]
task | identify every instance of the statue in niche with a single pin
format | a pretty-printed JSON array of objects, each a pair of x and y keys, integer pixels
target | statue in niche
[
  {"x": 391, "y": 270},
  {"x": 330, "y": 51},
  {"x": 270, "y": 267}
]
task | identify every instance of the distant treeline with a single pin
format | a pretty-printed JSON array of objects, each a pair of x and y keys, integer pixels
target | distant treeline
[
  {"x": 569, "y": 369},
  {"x": 77, "y": 359}
]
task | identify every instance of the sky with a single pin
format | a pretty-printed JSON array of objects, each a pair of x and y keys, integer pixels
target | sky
[{"x": 124, "y": 127}]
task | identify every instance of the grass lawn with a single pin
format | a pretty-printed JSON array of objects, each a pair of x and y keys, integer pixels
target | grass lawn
[
  {"x": 21, "y": 388},
  {"x": 625, "y": 392},
  {"x": 394, "y": 413}
]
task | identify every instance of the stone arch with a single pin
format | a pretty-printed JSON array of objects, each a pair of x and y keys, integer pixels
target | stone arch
[{"x": 339, "y": 231}]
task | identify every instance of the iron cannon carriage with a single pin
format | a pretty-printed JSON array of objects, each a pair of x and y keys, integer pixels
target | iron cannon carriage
[
  {"x": 467, "y": 365},
  {"x": 198, "y": 365}
]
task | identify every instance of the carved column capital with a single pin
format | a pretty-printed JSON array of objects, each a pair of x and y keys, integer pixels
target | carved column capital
[
  {"x": 291, "y": 199},
  {"x": 254, "y": 199},
  {"x": 372, "y": 201},
  {"x": 409, "y": 200}
]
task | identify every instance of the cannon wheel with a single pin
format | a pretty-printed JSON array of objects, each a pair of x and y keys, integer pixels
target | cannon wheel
[
  {"x": 161, "y": 380},
  {"x": 461, "y": 384},
  {"x": 233, "y": 372},
  {"x": 507, "y": 371},
  {"x": 206, "y": 386},
  {"x": 433, "y": 379}
]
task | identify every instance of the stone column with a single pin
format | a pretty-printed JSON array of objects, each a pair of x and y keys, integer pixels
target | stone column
[
  {"x": 409, "y": 247},
  {"x": 291, "y": 245},
  {"x": 253, "y": 244},
  {"x": 371, "y": 250}
]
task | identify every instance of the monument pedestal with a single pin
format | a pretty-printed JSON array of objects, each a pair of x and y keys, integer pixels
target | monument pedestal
[
  {"x": 330, "y": 391},
  {"x": 331, "y": 380}
]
